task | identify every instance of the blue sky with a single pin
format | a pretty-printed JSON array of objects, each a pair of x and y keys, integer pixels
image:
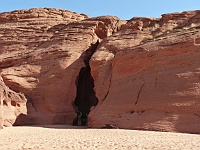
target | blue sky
[{"x": 124, "y": 9}]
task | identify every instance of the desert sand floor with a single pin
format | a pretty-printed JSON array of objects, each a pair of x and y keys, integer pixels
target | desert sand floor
[{"x": 67, "y": 137}]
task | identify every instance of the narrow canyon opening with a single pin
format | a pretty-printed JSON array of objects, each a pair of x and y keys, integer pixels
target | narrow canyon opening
[{"x": 85, "y": 94}]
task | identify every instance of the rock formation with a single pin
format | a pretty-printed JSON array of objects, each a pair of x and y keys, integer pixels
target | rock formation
[
  {"x": 145, "y": 70},
  {"x": 12, "y": 104},
  {"x": 148, "y": 78},
  {"x": 42, "y": 53}
]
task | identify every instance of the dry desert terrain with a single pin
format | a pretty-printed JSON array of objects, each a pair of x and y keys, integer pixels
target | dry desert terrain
[{"x": 62, "y": 137}]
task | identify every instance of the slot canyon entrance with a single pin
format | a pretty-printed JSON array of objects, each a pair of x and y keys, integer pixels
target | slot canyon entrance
[{"x": 85, "y": 95}]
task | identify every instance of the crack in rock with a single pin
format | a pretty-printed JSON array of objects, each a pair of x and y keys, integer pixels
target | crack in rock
[
  {"x": 138, "y": 95},
  {"x": 109, "y": 83}
]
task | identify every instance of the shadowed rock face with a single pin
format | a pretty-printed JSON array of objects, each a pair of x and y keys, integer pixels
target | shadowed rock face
[
  {"x": 85, "y": 95},
  {"x": 144, "y": 72}
]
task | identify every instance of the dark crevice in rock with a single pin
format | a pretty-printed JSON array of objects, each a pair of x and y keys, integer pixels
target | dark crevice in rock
[
  {"x": 5, "y": 103},
  {"x": 109, "y": 83},
  {"x": 139, "y": 92},
  {"x": 85, "y": 96}
]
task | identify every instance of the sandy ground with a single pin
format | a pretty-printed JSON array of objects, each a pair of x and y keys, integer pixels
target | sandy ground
[{"x": 67, "y": 137}]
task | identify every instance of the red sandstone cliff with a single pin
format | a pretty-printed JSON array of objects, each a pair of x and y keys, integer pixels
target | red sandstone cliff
[
  {"x": 145, "y": 70},
  {"x": 42, "y": 52},
  {"x": 147, "y": 75}
]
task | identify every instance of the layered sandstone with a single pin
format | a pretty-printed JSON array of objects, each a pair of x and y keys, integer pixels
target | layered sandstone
[
  {"x": 145, "y": 70},
  {"x": 42, "y": 52},
  {"x": 147, "y": 75}
]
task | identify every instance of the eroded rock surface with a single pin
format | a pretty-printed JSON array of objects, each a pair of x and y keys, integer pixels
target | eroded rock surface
[
  {"x": 42, "y": 52},
  {"x": 146, "y": 70},
  {"x": 147, "y": 75},
  {"x": 12, "y": 105}
]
